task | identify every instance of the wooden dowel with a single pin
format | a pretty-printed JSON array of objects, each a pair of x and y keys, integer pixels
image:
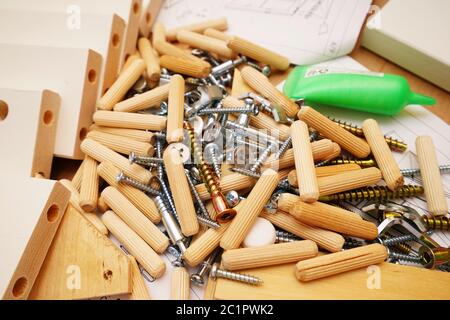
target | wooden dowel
[
  {"x": 263, "y": 121},
  {"x": 212, "y": 45},
  {"x": 239, "y": 86},
  {"x": 175, "y": 114},
  {"x": 383, "y": 155},
  {"x": 102, "y": 207},
  {"x": 328, "y": 240},
  {"x": 146, "y": 100},
  {"x": 204, "y": 245},
  {"x": 150, "y": 59},
  {"x": 168, "y": 49},
  {"x": 122, "y": 144},
  {"x": 214, "y": 33},
  {"x": 128, "y": 120},
  {"x": 75, "y": 202},
  {"x": 333, "y": 131},
  {"x": 103, "y": 154},
  {"x": 432, "y": 182},
  {"x": 286, "y": 201},
  {"x": 339, "y": 262},
  {"x": 325, "y": 171},
  {"x": 143, "y": 253},
  {"x": 121, "y": 86},
  {"x": 158, "y": 33},
  {"x": 258, "y": 53},
  {"x": 181, "y": 192},
  {"x": 89, "y": 185},
  {"x": 137, "y": 135},
  {"x": 76, "y": 180},
  {"x": 132, "y": 58},
  {"x": 138, "y": 198},
  {"x": 180, "y": 284},
  {"x": 304, "y": 162},
  {"x": 336, "y": 152},
  {"x": 185, "y": 66},
  {"x": 261, "y": 84},
  {"x": 135, "y": 219},
  {"x": 333, "y": 218},
  {"x": 220, "y": 24},
  {"x": 275, "y": 254},
  {"x": 246, "y": 215},
  {"x": 320, "y": 150}
]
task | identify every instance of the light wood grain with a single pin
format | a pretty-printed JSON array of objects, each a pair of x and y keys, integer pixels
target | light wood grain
[
  {"x": 203, "y": 42},
  {"x": 180, "y": 284},
  {"x": 139, "y": 290},
  {"x": 158, "y": 33},
  {"x": 143, "y": 253},
  {"x": 383, "y": 155},
  {"x": 431, "y": 177},
  {"x": 168, "y": 49},
  {"x": 175, "y": 113},
  {"x": 102, "y": 207},
  {"x": 149, "y": 99},
  {"x": 122, "y": 144},
  {"x": 130, "y": 120},
  {"x": 149, "y": 15},
  {"x": 220, "y": 24},
  {"x": 333, "y": 131},
  {"x": 304, "y": 162},
  {"x": 328, "y": 217},
  {"x": 187, "y": 67},
  {"x": 89, "y": 185},
  {"x": 266, "y": 122},
  {"x": 135, "y": 219},
  {"x": 151, "y": 60},
  {"x": 138, "y": 135},
  {"x": 325, "y": 171},
  {"x": 102, "y": 268},
  {"x": 138, "y": 198},
  {"x": 103, "y": 154},
  {"x": 339, "y": 262},
  {"x": 214, "y": 33}
]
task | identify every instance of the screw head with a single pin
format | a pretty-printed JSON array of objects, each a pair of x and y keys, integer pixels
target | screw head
[
  {"x": 254, "y": 109},
  {"x": 232, "y": 198},
  {"x": 213, "y": 271},
  {"x": 132, "y": 157},
  {"x": 197, "y": 280},
  {"x": 120, "y": 177},
  {"x": 210, "y": 149},
  {"x": 266, "y": 70}
]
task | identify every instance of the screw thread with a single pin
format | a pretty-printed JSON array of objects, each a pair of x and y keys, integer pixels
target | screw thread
[
  {"x": 405, "y": 257},
  {"x": 313, "y": 136},
  {"x": 215, "y": 164},
  {"x": 168, "y": 197},
  {"x": 362, "y": 163},
  {"x": 197, "y": 197},
  {"x": 286, "y": 144},
  {"x": 238, "y": 277},
  {"x": 144, "y": 160},
  {"x": 404, "y": 248},
  {"x": 208, "y": 222},
  {"x": 262, "y": 158},
  {"x": 122, "y": 178},
  {"x": 375, "y": 193},
  {"x": 283, "y": 236},
  {"x": 350, "y": 243},
  {"x": 398, "y": 240},
  {"x": 208, "y": 111},
  {"x": 437, "y": 223},
  {"x": 411, "y": 173}
]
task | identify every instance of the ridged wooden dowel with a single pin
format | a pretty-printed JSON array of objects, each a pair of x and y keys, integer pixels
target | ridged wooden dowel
[
  {"x": 304, "y": 162},
  {"x": 328, "y": 240},
  {"x": 175, "y": 114},
  {"x": 275, "y": 254},
  {"x": 431, "y": 177},
  {"x": 219, "y": 24},
  {"x": 138, "y": 135},
  {"x": 239, "y": 86},
  {"x": 383, "y": 155},
  {"x": 263, "y": 121},
  {"x": 339, "y": 262},
  {"x": 135, "y": 219},
  {"x": 246, "y": 216},
  {"x": 138, "y": 198},
  {"x": 158, "y": 33},
  {"x": 122, "y": 144},
  {"x": 320, "y": 150},
  {"x": 121, "y": 86},
  {"x": 75, "y": 202},
  {"x": 261, "y": 84},
  {"x": 333, "y": 218},
  {"x": 214, "y": 33},
  {"x": 128, "y": 120},
  {"x": 204, "y": 245},
  {"x": 165, "y": 48},
  {"x": 180, "y": 284},
  {"x": 89, "y": 185},
  {"x": 335, "y": 152},
  {"x": 348, "y": 181},
  {"x": 325, "y": 171},
  {"x": 144, "y": 254},
  {"x": 333, "y": 131},
  {"x": 76, "y": 180},
  {"x": 200, "y": 41},
  {"x": 181, "y": 193},
  {"x": 132, "y": 58},
  {"x": 258, "y": 53},
  {"x": 185, "y": 66},
  {"x": 102, "y": 207},
  {"x": 103, "y": 154},
  {"x": 149, "y": 99},
  {"x": 140, "y": 291},
  {"x": 150, "y": 59}
]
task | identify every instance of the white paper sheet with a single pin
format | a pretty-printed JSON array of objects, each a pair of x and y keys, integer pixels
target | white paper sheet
[{"x": 306, "y": 31}]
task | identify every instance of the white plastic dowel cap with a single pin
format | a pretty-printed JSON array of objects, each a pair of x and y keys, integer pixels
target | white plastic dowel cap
[{"x": 261, "y": 234}]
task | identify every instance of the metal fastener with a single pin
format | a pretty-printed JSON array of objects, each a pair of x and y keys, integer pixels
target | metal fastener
[
  {"x": 122, "y": 178},
  {"x": 144, "y": 160},
  {"x": 411, "y": 173},
  {"x": 211, "y": 152},
  {"x": 216, "y": 272},
  {"x": 196, "y": 195},
  {"x": 375, "y": 193},
  {"x": 199, "y": 277}
]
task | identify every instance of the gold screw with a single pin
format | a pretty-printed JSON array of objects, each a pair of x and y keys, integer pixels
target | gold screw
[
  {"x": 374, "y": 193},
  {"x": 394, "y": 144},
  {"x": 363, "y": 163},
  {"x": 437, "y": 223}
]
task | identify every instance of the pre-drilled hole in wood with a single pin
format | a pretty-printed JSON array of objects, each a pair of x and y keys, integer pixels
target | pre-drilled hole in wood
[
  {"x": 53, "y": 213},
  {"x": 115, "y": 40},
  {"x": 92, "y": 76},
  {"x": 136, "y": 8},
  {"x": 148, "y": 18},
  {"x": 4, "y": 109},
  {"x": 83, "y": 133},
  {"x": 48, "y": 117},
  {"x": 107, "y": 274},
  {"x": 20, "y": 287}
]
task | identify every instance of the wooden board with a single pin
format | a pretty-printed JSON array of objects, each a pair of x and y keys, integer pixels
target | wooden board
[
  {"x": 396, "y": 282},
  {"x": 30, "y": 212},
  {"x": 29, "y": 151},
  {"x": 71, "y": 72},
  {"x": 128, "y": 10},
  {"x": 149, "y": 14},
  {"x": 102, "y": 269},
  {"x": 102, "y": 33}
]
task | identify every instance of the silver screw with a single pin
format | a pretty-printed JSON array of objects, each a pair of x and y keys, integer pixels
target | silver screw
[
  {"x": 232, "y": 198},
  {"x": 211, "y": 151},
  {"x": 171, "y": 225},
  {"x": 144, "y": 160},
  {"x": 263, "y": 157},
  {"x": 207, "y": 111},
  {"x": 227, "y": 66},
  {"x": 405, "y": 258},
  {"x": 216, "y": 272},
  {"x": 255, "y": 175},
  {"x": 196, "y": 195},
  {"x": 265, "y": 70},
  {"x": 411, "y": 173},
  {"x": 122, "y": 178},
  {"x": 208, "y": 222},
  {"x": 283, "y": 148},
  {"x": 198, "y": 278},
  {"x": 397, "y": 240},
  {"x": 250, "y": 133},
  {"x": 283, "y": 236}
]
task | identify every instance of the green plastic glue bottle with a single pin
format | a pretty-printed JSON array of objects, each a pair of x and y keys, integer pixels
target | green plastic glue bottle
[{"x": 379, "y": 93}]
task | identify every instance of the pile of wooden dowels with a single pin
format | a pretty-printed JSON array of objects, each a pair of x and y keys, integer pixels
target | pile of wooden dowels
[{"x": 143, "y": 214}]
